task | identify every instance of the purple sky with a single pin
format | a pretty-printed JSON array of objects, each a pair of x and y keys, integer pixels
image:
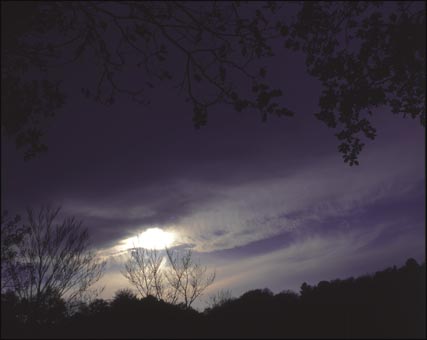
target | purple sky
[{"x": 266, "y": 204}]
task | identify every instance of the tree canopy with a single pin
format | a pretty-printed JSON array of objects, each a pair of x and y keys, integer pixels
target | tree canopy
[{"x": 366, "y": 55}]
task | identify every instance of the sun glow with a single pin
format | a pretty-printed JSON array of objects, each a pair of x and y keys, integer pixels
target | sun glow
[{"x": 152, "y": 238}]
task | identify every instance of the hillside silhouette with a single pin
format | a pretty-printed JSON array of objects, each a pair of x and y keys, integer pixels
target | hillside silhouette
[{"x": 387, "y": 304}]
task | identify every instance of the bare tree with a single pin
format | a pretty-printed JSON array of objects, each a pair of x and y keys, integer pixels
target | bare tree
[
  {"x": 189, "y": 279},
  {"x": 12, "y": 235},
  {"x": 220, "y": 298},
  {"x": 143, "y": 270},
  {"x": 179, "y": 279},
  {"x": 52, "y": 258}
]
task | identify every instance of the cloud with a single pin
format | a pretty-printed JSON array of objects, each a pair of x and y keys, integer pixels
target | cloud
[
  {"x": 261, "y": 209},
  {"x": 341, "y": 221},
  {"x": 221, "y": 213},
  {"x": 311, "y": 257},
  {"x": 315, "y": 257}
]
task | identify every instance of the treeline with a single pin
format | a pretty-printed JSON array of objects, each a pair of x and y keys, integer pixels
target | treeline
[{"x": 388, "y": 304}]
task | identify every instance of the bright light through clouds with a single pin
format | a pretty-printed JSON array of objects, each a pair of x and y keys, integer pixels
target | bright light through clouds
[{"x": 152, "y": 238}]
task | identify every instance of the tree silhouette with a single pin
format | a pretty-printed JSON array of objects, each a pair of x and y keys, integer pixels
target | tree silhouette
[
  {"x": 188, "y": 278},
  {"x": 180, "y": 280},
  {"x": 124, "y": 299},
  {"x": 51, "y": 260},
  {"x": 221, "y": 297},
  {"x": 387, "y": 304},
  {"x": 12, "y": 236},
  {"x": 28, "y": 96},
  {"x": 143, "y": 271},
  {"x": 366, "y": 54}
]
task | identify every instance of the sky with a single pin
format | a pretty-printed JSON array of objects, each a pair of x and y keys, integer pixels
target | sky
[{"x": 264, "y": 204}]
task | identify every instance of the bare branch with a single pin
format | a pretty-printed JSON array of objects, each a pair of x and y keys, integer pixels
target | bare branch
[{"x": 52, "y": 258}]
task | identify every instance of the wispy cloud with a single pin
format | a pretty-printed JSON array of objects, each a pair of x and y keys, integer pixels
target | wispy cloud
[
  {"x": 221, "y": 214},
  {"x": 317, "y": 257},
  {"x": 261, "y": 209},
  {"x": 311, "y": 257}
]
